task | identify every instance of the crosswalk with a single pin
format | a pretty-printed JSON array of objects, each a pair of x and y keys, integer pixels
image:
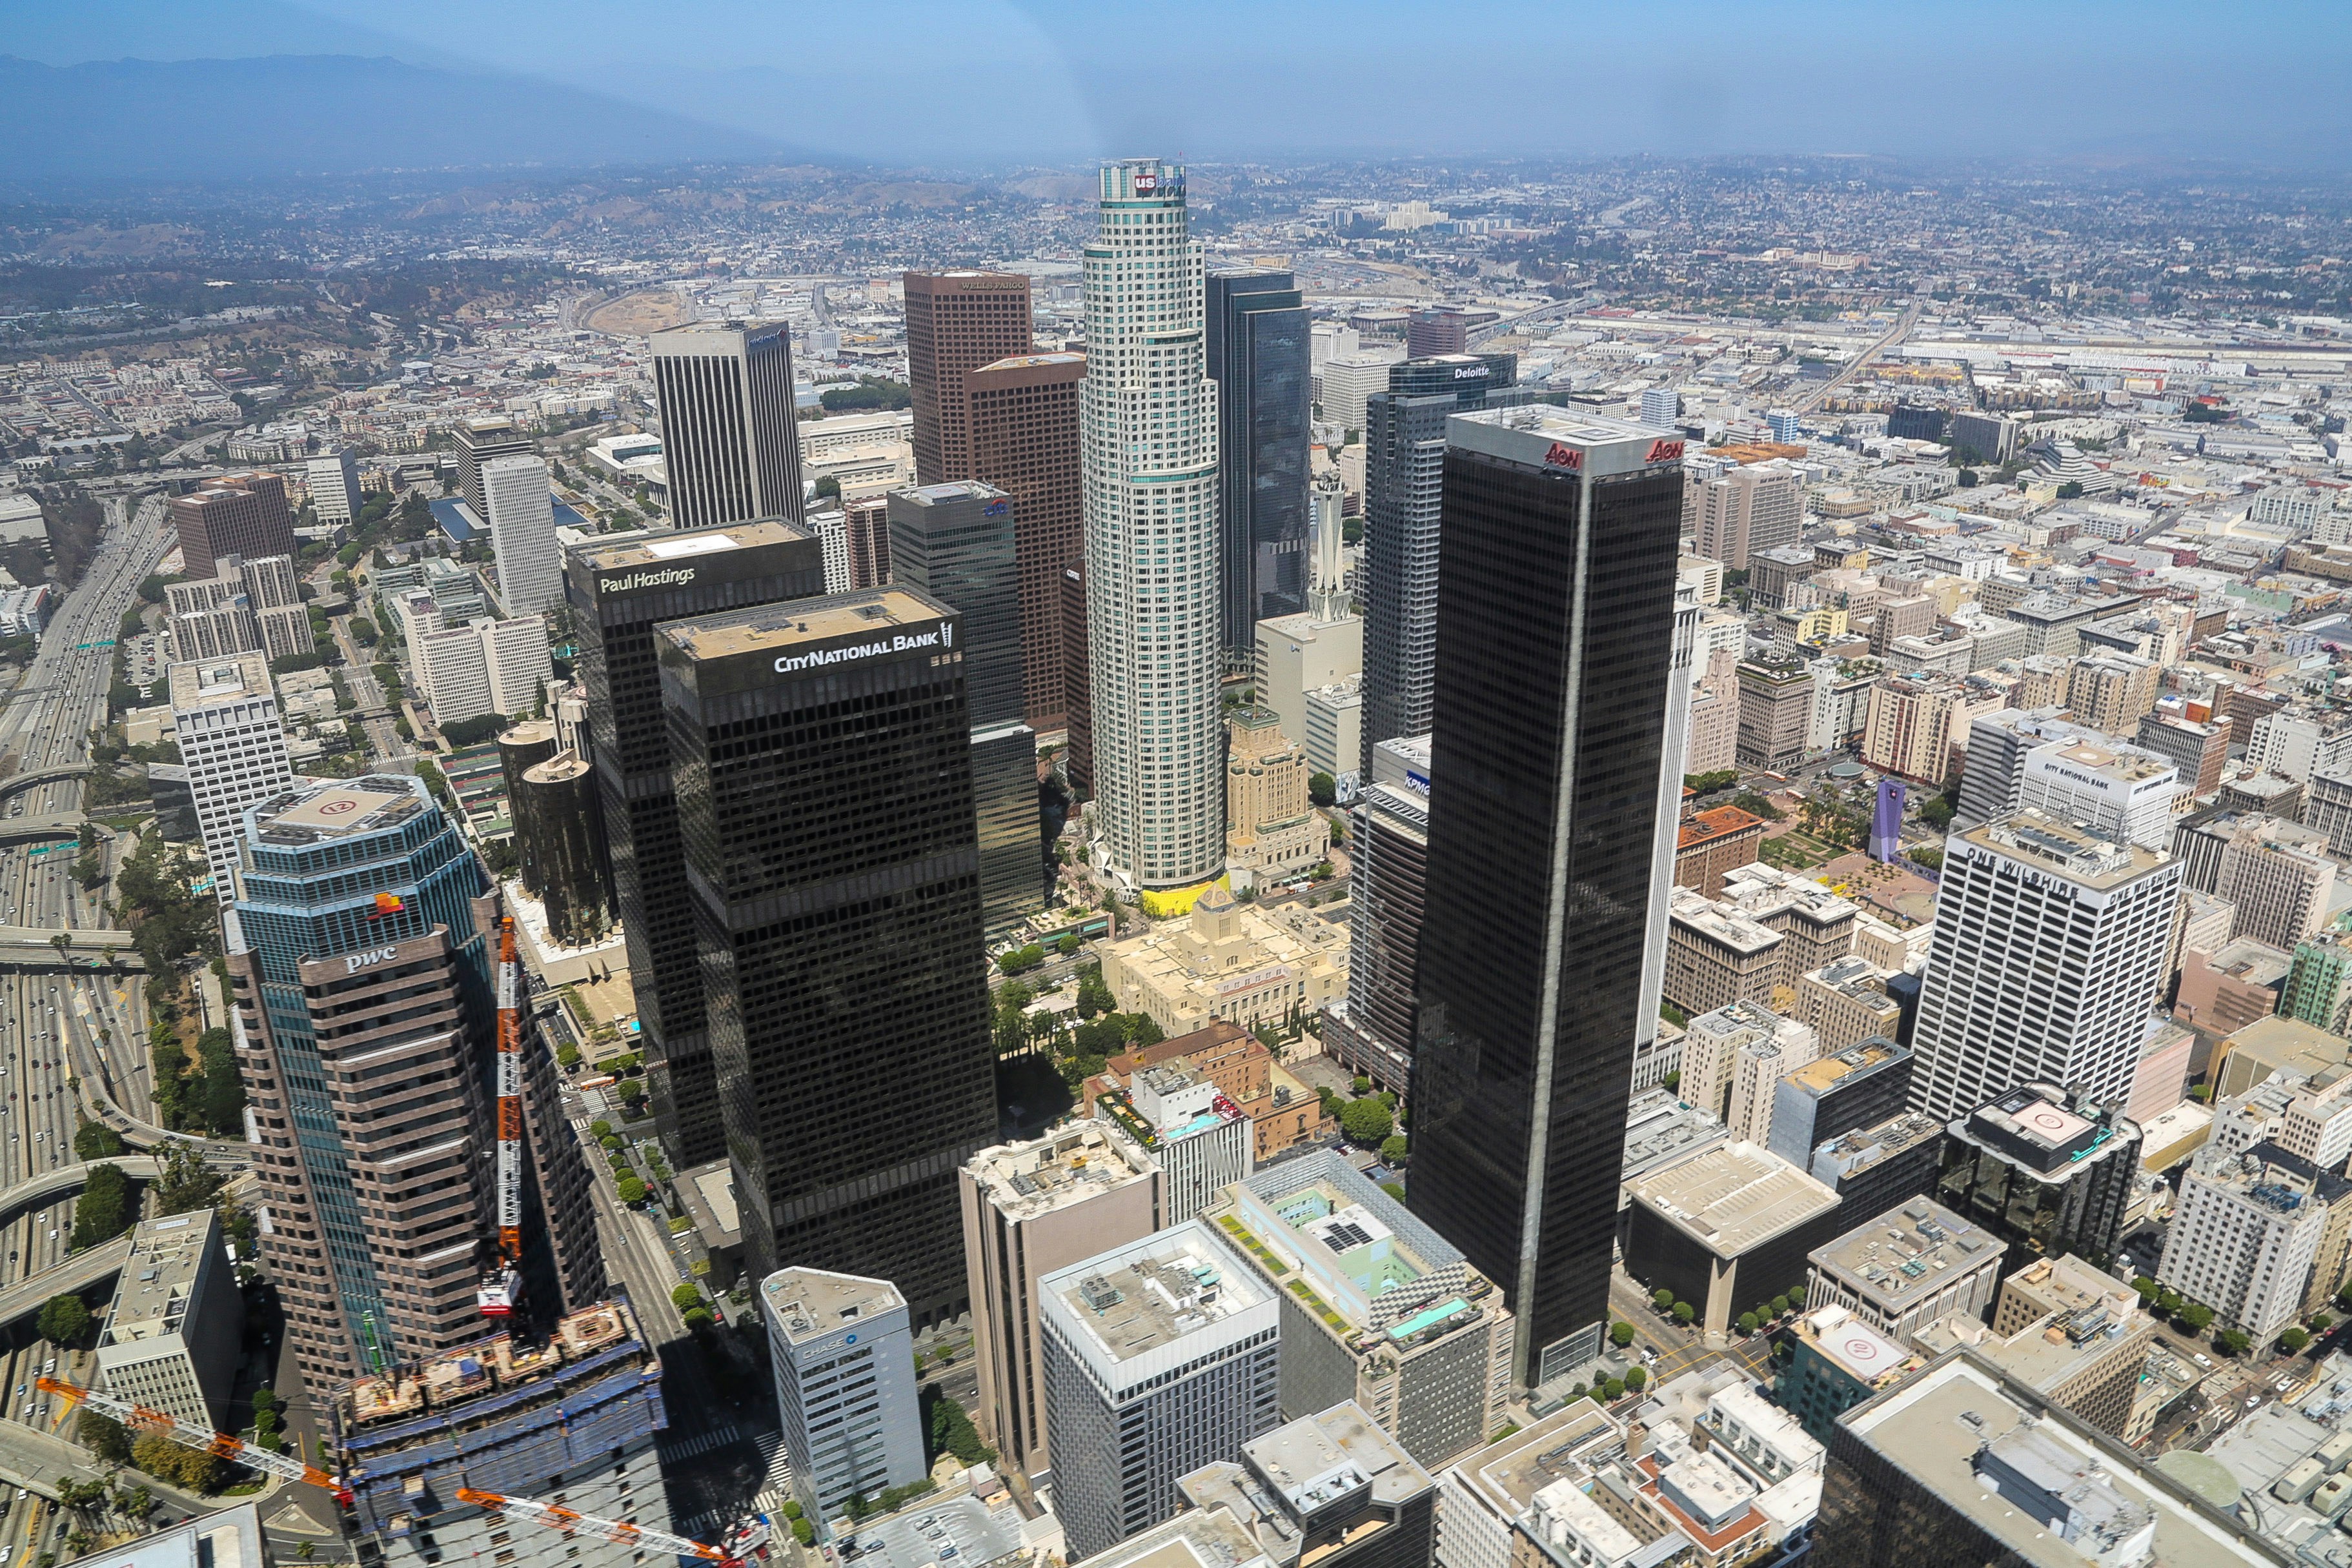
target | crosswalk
[
  {"x": 717, "y": 1436},
  {"x": 778, "y": 1485}
]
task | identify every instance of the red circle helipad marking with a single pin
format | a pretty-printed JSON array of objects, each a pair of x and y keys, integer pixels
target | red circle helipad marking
[{"x": 337, "y": 808}]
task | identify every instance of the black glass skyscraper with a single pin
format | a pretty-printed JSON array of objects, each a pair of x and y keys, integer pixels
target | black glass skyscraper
[
  {"x": 1259, "y": 348},
  {"x": 1555, "y": 634},
  {"x": 618, "y": 589},
  {"x": 955, "y": 543},
  {"x": 1404, "y": 459},
  {"x": 825, "y": 802}
]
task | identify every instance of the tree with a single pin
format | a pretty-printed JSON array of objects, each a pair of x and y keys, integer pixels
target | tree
[
  {"x": 1637, "y": 1378},
  {"x": 1366, "y": 1123},
  {"x": 1684, "y": 1313},
  {"x": 632, "y": 1090},
  {"x": 1969, "y": 479},
  {"x": 1663, "y": 1297},
  {"x": 631, "y": 1190},
  {"x": 1749, "y": 1323},
  {"x": 103, "y": 1435},
  {"x": 1927, "y": 855},
  {"x": 950, "y": 1431},
  {"x": 64, "y": 1320},
  {"x": 2231, "y": 1341},
  {"x": 187, "y": 1183},
  {"x": 1613, "y": 1389},
  {"x": 1796, "y": 1295},
  {"x": 102, "y": 1212},
  {"x": 1780, "y": 1306},
  {"x": 829, "y": 488},
  {"x": 2196, "y": 1317},
  {"x": 697, "y": 1320},
  {"x": 1323, "y": 789},
  {"x": 96, "y": 1140},
  {"x": 684, "y": 1295},
  {"x": 2070, "y": 489},
  {"x": 1620, "y": 1334},
  {"x": 2293, "y": 1340},
  {"x": 1395, "y": 1150}
]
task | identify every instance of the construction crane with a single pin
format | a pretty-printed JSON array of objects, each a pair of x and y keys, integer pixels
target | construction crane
[
  {"x": 503, "y": 1286},
  {"x": 138, "y": 1417},
  {"x": 618, "y": 1531}
]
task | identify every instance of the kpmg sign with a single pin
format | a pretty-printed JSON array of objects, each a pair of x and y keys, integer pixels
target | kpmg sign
[
  {"x": 668, "y": 577},
  {"x": 939, "y": 636}
]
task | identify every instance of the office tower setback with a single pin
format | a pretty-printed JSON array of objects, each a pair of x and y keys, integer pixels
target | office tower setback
[
  {"x": 619, "y": 590},
  {"x": 1390, "y": 877},
  {"x": 1257, "y": 355},
  {"x": 809, "y": 931},
  {"x": 1028, "y": 1210},
  {"x": 333, "y": 479},
  {"x": 865, "y": 536},
  {"x": 729, "y": 441},
  {"x": 1756, "y": 507},
  {"x": 521, "y": 515},
  {"x": 955, "y": 542},
  {"x": 577, "y": 1417},
  {"x": 1024, "y": 441},
  {"x": 2050, "y": 942},
  {"x": 361, "y": 989},
  {"x": 1149, "y": 412},
  {"x": 170, "y": 1337},
  {"x": 1404, "y": 464},
  {"x": 1400, "y": 1323},
  {"x": 233, "y": 744},
  {"x": 841, "y": 1353},
  {"x": 1160, "y": 1356},
  {"x": 479, "y": 443},
  {"x": 1558, "y": 587},
  {"x": 237, "y": 514},
  {"x": 957, "y": 322}
]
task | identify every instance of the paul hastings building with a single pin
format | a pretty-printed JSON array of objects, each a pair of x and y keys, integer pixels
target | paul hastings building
[
  {"x": 824, "y": 806},
  {"x": 1555, "y": 634},
  {"x": 619, "y": 588}
]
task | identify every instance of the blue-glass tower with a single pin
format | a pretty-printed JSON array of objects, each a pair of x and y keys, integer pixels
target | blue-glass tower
[
  {"x": 364, "y": 1018},
  {"x": 1258, "y": 343}
]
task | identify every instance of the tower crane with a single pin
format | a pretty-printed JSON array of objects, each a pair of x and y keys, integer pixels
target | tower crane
[
  {"x": 237, "y": 1450},
  {"x": 503, "y": 1286},
  {"x": 618, "y": 1531}
]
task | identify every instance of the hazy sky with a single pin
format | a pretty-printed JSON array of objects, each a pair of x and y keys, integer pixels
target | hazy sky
[{"x": 978, "y": 82}]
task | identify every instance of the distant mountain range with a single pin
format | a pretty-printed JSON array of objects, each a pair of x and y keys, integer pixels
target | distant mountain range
[{"x": 321, "y": 114}]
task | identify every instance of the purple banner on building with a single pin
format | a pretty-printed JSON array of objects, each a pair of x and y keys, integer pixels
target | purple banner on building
[{"x": 1886, "y": 821}]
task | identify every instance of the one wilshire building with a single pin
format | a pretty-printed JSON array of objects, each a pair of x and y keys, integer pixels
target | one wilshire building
[
  {"x": 1555, "y": 651},
  {"x": 619, "y": 588},
  {"x": 824, "y": 806}
]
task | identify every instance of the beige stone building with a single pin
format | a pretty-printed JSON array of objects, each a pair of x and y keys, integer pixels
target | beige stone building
[
  {"x": 1845, "y": 1002},
  {"x": 1230, "y": 961},
  {"x": 1271, "y": 826},
  {"x": 1909, "y": 730},
  {"x": 2112, "y": 691},
  {"x": 1717, "y": 955}
]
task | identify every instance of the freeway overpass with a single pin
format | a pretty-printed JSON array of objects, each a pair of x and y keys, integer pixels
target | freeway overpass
[
  {"x": 32, "y": 947},
  {"x": 33, "y": 778},
  {"x": 80, "y": 1274},
  {"x": 38, "y": 829},
  {"x": 64, "y": 1181}
]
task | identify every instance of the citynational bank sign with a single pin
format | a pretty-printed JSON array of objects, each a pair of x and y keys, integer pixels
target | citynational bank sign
[{"x": 937, "y": 638}]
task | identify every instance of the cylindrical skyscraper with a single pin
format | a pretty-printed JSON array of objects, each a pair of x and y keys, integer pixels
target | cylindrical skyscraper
[
  {"x": 560, "y": 835},
  {"x": 522, "y": 747},
  {"x": 1148, "y": 412}
]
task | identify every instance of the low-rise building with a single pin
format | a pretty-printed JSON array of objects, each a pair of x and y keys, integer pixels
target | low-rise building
[
  {"x": 1333, "y": 1489},
  {"x": 1905, "y": 1269},
  {"x": 1845, "y": 1002},
  {"x": 1837, "y": 1094},
  {"x": 2253, "y": 1231},
  {"x": 1228, "y": 961},
  {"x": 1726, "y": 1230},
  {"x": 1713, "y": 843},
  {"x": 1717, "y": 955},
  {"x": 1283, "y": 1111},
  {"x": 1837, "y": 1360},
  {"x": 2085, "y": 1351}
]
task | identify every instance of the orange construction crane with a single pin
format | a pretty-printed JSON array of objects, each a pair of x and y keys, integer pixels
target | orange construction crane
[
  {"x": 618, "y": 1531},
  {"x": 237, "y": 1450},
  {"x": 503, "y": 1285}
]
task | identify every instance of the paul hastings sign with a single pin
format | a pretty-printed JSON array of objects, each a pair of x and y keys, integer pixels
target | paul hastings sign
[
  {"x": 939, "y": 636},
  {"x": 662, "y": 577}
]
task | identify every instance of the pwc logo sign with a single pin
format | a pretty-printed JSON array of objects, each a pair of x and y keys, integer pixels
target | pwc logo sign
[
  {"x": 1664, "y": 451},
  {"x": 1563, "y": 455}
]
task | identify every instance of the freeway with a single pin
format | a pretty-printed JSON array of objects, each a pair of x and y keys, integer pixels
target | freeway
[
  {"x": 44, "y": 735},
  {"x": 1853, "y": 366}
]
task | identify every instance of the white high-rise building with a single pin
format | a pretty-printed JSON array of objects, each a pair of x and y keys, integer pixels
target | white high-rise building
[
  {"x": 1162, "y": 1355},
  {"x": 233, "y": 744},
  {"x": 2125, "y": 795},
  {"x": 2247, "y": 1234},
  {"x": 515, "y": 658},
  {"x": 522, "y": 534},
  {"x": 1147, "y": 424},
  {"x": 334, "y": 483},
  {"x": 2049, "y": 941},
  {"x": 843, "y": 1358}
]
